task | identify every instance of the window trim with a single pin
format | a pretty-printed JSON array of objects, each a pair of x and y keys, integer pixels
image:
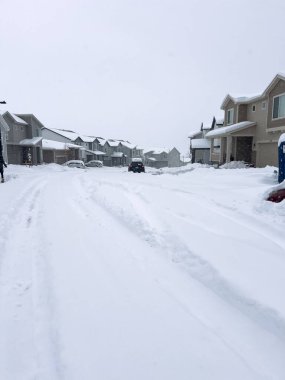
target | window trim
[
  {"x": 253, "y": 106},
  {"x": 274, "y": 97},
  {"x": 263, "y": 105}
]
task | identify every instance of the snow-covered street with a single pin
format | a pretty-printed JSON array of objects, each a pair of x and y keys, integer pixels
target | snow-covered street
[{"x": 111, "y": 275}]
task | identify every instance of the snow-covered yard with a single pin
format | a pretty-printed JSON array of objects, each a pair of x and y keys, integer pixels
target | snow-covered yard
[{"x": 111, "y": 275}]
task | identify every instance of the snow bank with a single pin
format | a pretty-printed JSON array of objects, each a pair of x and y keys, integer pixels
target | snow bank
[{"x": 234, "y": 165}]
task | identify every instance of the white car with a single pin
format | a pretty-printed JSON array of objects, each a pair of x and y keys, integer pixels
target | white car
[
  {"x": 75, "y": 164},
  {"x": 94, "y": 164}
]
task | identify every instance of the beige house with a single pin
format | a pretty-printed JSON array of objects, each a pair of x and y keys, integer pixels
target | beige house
[{"x": 252, "y": 128}]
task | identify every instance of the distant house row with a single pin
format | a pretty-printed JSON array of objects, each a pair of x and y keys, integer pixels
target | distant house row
[
  {"x": 26, "y": 140},
  {"x": 249, "y": 132}
]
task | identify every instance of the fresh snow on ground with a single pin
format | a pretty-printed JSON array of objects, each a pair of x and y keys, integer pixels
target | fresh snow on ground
[{"x": 111, "y": 275}]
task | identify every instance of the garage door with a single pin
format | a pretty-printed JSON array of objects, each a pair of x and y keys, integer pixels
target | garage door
[{"x": 267, "y": 154}]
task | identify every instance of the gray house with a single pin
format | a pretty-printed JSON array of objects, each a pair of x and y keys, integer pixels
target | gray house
[
  {"x": 174, "y": 158},
  {"x": 4, "y": 129},
  {"x": 253, "y": 126},
  {"x": 24, "y": 140},
  {"x": 156, "y": 157}
]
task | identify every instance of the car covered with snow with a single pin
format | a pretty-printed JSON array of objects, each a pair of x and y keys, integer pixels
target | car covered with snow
[
  {"x": 75, "y": 164},
  {"x": 94, "y": 164}
]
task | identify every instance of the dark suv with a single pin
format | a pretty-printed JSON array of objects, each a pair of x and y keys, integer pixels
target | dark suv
[{"x": 136, "y": 167}]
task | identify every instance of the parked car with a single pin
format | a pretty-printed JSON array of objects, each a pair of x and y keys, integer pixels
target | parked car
[
  {"x": 136, "y": 167},
  {"x": 277, "y": 196},
  {"x": 75, "y": 164},
  {"x": 94, "y": 164}
]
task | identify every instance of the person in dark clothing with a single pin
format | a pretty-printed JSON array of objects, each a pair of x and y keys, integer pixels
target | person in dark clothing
[{"x": 2, "y": 164}]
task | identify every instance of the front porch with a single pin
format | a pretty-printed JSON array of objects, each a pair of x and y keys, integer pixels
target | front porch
[{"x": 236, "y": 143}]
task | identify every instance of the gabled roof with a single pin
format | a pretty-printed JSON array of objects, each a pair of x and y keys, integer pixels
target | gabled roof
[
  {"x": 87, "y": 138},
  {"x": 68, "y": 134},
  {"x": 225, "y": 131},
  {"x": 156, "y": 150},
  {"x": 128, "y": 145},
  {"x": 237, "y": 99},
  {"x": 113, "y": 143},
  {"x": 16, "y": 118},
  {"x": 32, "y": 115},
  {"x": 240, "y": 99},
  {"x": 273, "y": 82}
]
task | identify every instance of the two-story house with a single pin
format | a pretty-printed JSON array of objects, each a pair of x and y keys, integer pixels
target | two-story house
[
  {"x": 253, "y": 126},
  {"x": 24, "y": 141},
  {"x": 156, "y": 157},
  {"x": 174, "y": 158}
]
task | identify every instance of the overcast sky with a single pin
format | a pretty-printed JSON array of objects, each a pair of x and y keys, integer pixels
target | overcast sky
[{"x": 149, "y": 71}]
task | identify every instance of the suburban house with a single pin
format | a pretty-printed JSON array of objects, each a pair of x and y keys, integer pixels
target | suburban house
[
  {"x": 113, "y": 154},
  {"x": 4, "y": 129},
  {"x": 174, "y": 158},
  {"x": 119, "y": 152},
  {"x": 156, "y": 157},
  {"x": 200, "y": 146},
  {"x": 80, "y": 147},
  {"x": 252, "y": 127},
  {"x": 24, "y": 140}
]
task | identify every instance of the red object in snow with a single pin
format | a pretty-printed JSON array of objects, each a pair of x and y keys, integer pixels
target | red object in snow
[{"x": 277, "y": 196}]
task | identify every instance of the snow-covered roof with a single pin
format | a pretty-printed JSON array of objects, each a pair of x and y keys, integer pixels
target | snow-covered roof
[
  {"x": 223, "y": 131},
  {"x": 15, "y": 117},
  {"x": 241, "y": 99},
  {"x": 281, "y": 139},
  {"x": 193, "y": 134},
  {"x": 87, "y": 138},
  {"x": 99, "y": 152},
  {"x": 31, "y": 142},
  {"x": 57, "y": 145},
  {"x": 200, "y": 144},
  {"x": 128, "y": 145},
  {"x": 18, "y": 119},
  {"x": 156, "y": 150},
  {"x": 151, "y": 159},
  {"x": 117, "y": 154},
  {"x": 68, "y": 134},
  {"x": 113, "y": 143},
  {"x": 69, "y": 145}
]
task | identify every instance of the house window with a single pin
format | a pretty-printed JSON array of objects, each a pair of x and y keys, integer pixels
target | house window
[
  {"x": 230, "y": 116},
  {"x": 278, "y": 107},
  {"x": 253, "y": 108},
  {"x": 263, "y": 105}
]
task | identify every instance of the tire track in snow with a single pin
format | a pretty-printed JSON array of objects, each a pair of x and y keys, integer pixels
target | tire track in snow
[
  {"x": 27, "y": 352},
  {"x": 199, "y": 269}
]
